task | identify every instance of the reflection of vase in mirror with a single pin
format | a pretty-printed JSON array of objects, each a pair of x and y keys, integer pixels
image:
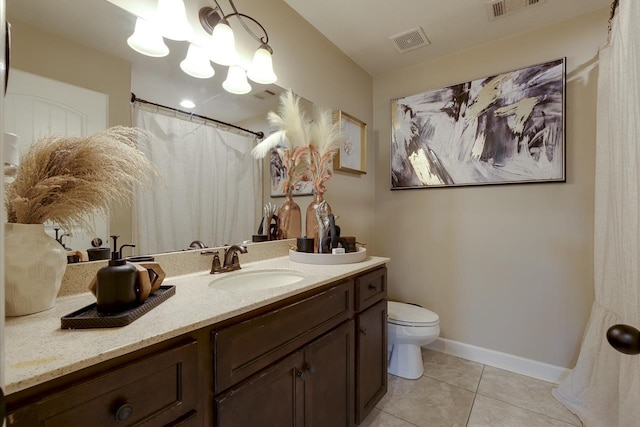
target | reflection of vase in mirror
[
  {"x": 311, "y": 226},
  {"x": 289, "y": 218}
]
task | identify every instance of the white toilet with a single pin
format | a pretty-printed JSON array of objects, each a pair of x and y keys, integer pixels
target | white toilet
[{"x": 409, "y": 328}]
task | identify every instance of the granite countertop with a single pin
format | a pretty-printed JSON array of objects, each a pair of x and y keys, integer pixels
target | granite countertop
[{"x": 37, "y": 350}]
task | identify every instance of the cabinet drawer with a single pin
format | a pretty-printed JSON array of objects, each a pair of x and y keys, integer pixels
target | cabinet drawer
[
  {"x": 371, "y": 288},
  {"x": 243, "y": 349},
  {"x": 154, "y": 391}
]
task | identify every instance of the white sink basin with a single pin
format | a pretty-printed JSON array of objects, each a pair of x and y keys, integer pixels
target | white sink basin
[{"x": 253, "y": 280}]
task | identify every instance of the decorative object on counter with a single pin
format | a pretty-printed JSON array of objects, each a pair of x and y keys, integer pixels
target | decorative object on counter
[
  {"x": 323, "y": 145},
  {"x": 149, "y": 280},
  {"x": 308, "y": 150},
  {"x": 34, "y": 266},
  {"x": 305, "y": 244},
  {"x": 292, "y": 136},
  {"x": 89, "y": 317},
  {"x": 322, "y": 213},
  {"x": 62, "y": 179},
  {"x": 332, "y": 240},
  {"x": 328, "y": 259},
  {"x": 117, "y": 287},
  {"x": 289, "y": 218}
]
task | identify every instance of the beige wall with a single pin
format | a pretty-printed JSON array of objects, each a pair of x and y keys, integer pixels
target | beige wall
[{"x": 507, "y": 268}]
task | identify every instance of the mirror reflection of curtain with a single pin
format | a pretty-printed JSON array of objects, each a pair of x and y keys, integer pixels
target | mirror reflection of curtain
[
  {"x": 213, "y": 188},
  {"x": 604, "y": 387}
]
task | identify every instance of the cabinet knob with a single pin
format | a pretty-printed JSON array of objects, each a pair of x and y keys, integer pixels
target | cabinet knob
[
  {"x": 124, "y": 411},
  {"x": 309, "y": 368},
  {"x": 363, "y": 331},
  {"x": 300, "y": 374},
  {"x": 373, "y": 287}
]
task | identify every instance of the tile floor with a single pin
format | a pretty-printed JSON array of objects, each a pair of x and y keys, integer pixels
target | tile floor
[{"x": 458, "y": 392}]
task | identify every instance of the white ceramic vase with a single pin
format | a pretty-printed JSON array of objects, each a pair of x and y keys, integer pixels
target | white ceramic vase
[{"x": 34, "y": 264}]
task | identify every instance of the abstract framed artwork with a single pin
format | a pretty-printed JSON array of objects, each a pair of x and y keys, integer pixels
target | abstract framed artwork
[
  {"x": 503, "y": 129},
  {"x": 352, "y": 156}
]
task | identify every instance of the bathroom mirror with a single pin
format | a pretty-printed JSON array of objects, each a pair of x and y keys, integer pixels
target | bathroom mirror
[{"x": 102, "y": 26}]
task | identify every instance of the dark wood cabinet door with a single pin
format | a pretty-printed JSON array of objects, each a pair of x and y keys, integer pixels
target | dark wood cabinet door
[
  {"x": 371, "y": 349},
  {"x": 328, "y": 378},
  {"x": 151, "y": 391},
  {"x": 271, "y": 398}
]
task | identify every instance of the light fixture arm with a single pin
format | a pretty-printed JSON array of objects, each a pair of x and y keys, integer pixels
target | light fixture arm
[{"x": 240, "y": 16}]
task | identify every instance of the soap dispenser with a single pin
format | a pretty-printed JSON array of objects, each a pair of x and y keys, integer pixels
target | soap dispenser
[{"x": 116, "y": 285}]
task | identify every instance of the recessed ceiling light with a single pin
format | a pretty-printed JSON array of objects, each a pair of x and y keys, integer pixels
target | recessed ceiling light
[{"x": 187, "y": 103}]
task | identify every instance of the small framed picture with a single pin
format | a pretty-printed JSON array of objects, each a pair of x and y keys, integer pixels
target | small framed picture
[{"x": 352, "y": 156}]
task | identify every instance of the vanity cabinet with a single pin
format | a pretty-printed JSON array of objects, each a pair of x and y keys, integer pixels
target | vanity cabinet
[
  {"x": 371, "y": 341},
  {"x": 311, "y": 387},
  {"x": 161, "y": 389},
  {"x": 313, "y": 359}
]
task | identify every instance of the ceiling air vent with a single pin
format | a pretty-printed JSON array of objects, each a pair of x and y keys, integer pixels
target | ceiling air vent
[
  {"x": 409, "y": 40},
  {"x": 500, "y": 8}
]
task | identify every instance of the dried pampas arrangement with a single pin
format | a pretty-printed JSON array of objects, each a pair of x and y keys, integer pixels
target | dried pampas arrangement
[
  {"x": 62, "y": 179},
  {"x": 309, "y": 145}
]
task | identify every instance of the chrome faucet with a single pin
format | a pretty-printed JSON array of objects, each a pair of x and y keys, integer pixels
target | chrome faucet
[{"x": 231, "y": 261}]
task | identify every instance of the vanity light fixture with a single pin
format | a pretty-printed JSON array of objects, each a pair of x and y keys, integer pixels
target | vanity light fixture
[
  {"x": 236, "y": 81},
  {"x": 171, "y": 22},
  {"x": 197, "y": 63},
  {"x": 147, "y": 40}
]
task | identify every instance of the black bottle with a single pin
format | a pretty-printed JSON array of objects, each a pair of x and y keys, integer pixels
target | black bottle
[{"x": 116, "y": 285}]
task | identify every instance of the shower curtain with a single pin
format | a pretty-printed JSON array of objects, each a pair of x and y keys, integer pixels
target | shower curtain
[
  {"x": 604, "y": 387},
  {"x": 212, "y": 189}
]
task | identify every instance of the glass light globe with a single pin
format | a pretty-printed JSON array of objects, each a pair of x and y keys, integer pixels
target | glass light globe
[
  {"x": 196, "y": 63},
  {"x": 261, "y": 70},
  {"x": 236, "y": 81},
  {"x": 222, "y": 47},
  {"x": 172, "y": 19},
  {"x": 147, "y": 40}
]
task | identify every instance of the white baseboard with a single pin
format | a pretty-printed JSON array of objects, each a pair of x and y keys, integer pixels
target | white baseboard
[{"x": 508, "y": 362}]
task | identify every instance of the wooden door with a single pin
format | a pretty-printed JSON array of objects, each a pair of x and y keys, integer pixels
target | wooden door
[
  {"x": 328, "y": 378},
  {"x": 271, "y": 398},
  {"x": 371, "y": 350}
]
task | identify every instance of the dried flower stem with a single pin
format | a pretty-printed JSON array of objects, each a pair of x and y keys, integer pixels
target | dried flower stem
[{"x": 62, "y": 179}]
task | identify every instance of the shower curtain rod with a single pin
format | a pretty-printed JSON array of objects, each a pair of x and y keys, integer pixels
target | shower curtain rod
[{"x": 134, "y": 98}]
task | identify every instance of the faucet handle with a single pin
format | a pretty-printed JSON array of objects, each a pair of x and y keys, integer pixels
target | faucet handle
[{"x": 215, "y": 264}]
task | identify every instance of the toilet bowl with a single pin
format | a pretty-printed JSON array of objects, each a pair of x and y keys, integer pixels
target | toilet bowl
[{"x": 409, "y": 327}]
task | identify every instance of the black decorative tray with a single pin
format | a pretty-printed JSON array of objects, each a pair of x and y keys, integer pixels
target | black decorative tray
[{"x": 88, "y": 317}]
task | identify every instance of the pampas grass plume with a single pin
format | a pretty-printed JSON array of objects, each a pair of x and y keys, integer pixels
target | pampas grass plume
[{"x": 63, "y": 179}]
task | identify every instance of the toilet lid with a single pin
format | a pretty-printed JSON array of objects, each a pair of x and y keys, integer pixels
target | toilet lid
[{"x": 400, "y": 313}]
